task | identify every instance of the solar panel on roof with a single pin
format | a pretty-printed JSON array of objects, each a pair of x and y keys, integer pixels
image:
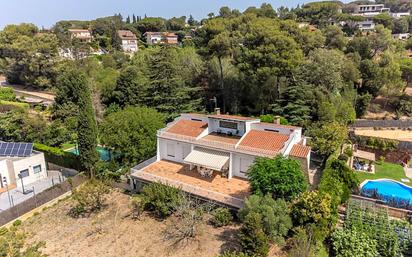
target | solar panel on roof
[{"x": 16, "y": 149}]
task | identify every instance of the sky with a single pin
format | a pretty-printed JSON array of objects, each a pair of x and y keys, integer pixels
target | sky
[{"x": 47, "y": 12}]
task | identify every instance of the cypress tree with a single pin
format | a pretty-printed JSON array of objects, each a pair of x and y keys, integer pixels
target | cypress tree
[
  {"x": 74, "y": 83},
  {"x": 87, "y": 128},
  {"x": 134, "y": 18},
  {"x": 128, "y": 19}
]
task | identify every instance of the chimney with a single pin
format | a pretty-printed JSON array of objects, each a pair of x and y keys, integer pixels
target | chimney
[
  {"x": 276, "y": 120},
  {"x": 217, "y": 111}
]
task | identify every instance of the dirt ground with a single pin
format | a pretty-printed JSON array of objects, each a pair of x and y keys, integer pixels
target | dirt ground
[{"x": 114, "y": 233}]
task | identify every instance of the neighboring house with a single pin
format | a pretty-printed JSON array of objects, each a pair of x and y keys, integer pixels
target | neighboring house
[
  {"x": 128, "y": 41},
  {"x": 372, "y": 9},
  {"x": 401, "y": 36},
  {"x": 217, "y": 150},
  {"x": 84, "y": 35},
  {"x": 154, "y": 38},
  {"x": 398, "y": 15},
  {"x": 19, "y": 161}
]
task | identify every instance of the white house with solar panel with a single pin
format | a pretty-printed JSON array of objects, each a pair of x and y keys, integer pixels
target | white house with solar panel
[{"x": 20, "y": 161}]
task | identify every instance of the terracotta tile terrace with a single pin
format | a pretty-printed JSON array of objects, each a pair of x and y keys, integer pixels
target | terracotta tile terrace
[
  {"x": 229, "y": 192},
  {"x": 222, "y": 138}
]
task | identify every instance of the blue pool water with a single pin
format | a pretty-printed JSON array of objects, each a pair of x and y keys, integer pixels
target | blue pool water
[
  {"x": 104, "y": 153},
  {"x": 389, "y": 189}
]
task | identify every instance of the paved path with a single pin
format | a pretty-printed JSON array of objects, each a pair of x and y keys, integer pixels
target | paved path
[
  {"x": 24, "y": 91},
  {"x": 17, "y": 193},
  {"x": 408, "y": 172}
]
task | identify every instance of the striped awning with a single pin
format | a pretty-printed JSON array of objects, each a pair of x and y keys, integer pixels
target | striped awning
[{"x": 211, "y": 159}]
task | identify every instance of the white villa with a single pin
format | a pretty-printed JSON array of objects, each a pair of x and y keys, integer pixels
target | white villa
[
  {"x": 209, "y": 155},
  {"x": 167, "y": 38},
  {"x": 84, "y": 35},
  {"x": 18, "y": 161},
  {"x": 129, "y": 41}
]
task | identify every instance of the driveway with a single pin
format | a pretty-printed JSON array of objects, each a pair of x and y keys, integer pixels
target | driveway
[{"x": 17, "y": 196}]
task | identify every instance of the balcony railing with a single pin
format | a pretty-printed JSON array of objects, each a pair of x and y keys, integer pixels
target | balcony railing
[{"x": 191, "y": 189}]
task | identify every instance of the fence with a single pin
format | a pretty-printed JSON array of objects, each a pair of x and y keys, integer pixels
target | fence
[
  {"x": 382, "y": 124},
  {"x": 39, "y": 199},
  {"x": 392, "y": 212}
]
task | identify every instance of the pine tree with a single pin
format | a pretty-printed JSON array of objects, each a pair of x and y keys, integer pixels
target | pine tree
[
  {"x": 294, "y": 104},
  {"x": 191, "y": 21},
  {"x": 128, "y": 19},
  {"x": 168, "y": 92}
]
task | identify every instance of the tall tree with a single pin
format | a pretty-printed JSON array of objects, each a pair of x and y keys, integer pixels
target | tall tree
[{"x": 86, "y": 125}]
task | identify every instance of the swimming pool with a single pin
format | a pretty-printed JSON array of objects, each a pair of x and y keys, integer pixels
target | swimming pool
[
  {"x": 103, "y": 152},
  {"x": 387, "y": 189}
]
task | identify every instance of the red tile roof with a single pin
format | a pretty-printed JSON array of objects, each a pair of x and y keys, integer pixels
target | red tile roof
[
  {"x": 264, "y": 140},
  {"x": 188, "y": 128},
  {"x": 300, "y": 151},
  {"x": 126, "y": 35}
]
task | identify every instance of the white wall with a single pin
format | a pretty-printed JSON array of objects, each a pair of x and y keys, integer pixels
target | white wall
[
  {"x": 29, "y": 163},
  {"x": 5, "y": 171},
  {"x": 267, "y": 126},
  {"x": 241, "y": 163},
  {"x": 153, "y": 39},
  {"x": 173, "y": 150}
]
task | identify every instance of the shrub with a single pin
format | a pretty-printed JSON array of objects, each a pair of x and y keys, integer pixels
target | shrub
[
  {"x": 7, "y": 94},
  {"x": 313, "y": 208},
  {"x": 161, "y": 199},
  {"x": 252, "y": 237},
  {"x": 275, "y": 215},
  {"x": 221, "y": 217},
  {"x": 280, "y": 177},
  {"x": 305, "y": 243},
  {"x": 89, "y": 197},
  {"x": 17, "y": 223},
  {"x": 348, "y": 243},
  {"x": 190, "y": 215},
  {"x": 234, "y": 254},
  {"x": 57, "y": 156},
  {"x": 137, "y": 205}
]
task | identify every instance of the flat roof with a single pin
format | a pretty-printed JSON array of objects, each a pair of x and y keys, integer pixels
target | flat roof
[
  {"x": 222, "y": 138},
  {"x": 232, "y": 117}
]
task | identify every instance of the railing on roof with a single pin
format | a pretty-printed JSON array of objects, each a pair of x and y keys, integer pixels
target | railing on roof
[{"x": 219, "y": 145}]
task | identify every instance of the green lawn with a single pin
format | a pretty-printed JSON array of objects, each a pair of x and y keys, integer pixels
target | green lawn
[
  {"x": 67, "y": 146},
  {"x": 384, "y": 170}
]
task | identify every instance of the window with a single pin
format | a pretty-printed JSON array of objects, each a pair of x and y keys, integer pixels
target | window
[
  {"x": 272, "y": 130},
  {"x": 170, "y": 149},
  {"x": 24, "y": 173},
  {"x": 227, "y": 124},
  {"x": 37, "y": 169}
]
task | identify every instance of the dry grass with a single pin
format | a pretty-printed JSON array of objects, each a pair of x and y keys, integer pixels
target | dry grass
[
  {"x": 397, "y": 134},
  {"x": 114, "y": 233}
]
